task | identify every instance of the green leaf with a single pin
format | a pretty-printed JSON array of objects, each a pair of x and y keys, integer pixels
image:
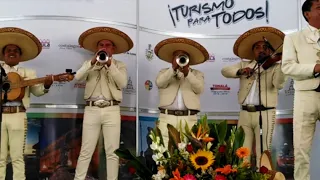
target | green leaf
[
  {"x": 141, "y": 170},
  {"x": 222, "y": 131},
  {"x": 239, "y": 139}
]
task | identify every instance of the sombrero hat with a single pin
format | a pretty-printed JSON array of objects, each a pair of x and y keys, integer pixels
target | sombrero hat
[
  {"x": 90, "y": 38},
  {"x": 266, "y": 162},
  {"x": 165, "y": 49},
  {"x": 28, "y": 43},
  {"x": 243, "y": 45}
]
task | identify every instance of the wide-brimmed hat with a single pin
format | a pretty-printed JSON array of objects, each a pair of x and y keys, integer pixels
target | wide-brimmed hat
[
  {"x": 266, "y": 162},
  {"x": 90, "y": 38},
  {"x": 165, "y": 49},
  {"x": 28, "y": 43},
  {"x": 243, "y": 45}
]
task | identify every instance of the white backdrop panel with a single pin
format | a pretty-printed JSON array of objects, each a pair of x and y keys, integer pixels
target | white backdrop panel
[
  {"x": 119, "y": 10},
  {"x": 220, "y": 93},
  {"x": 217, "y": 17},
  {"x": 304, "y": 23},
  {"x": 62, "y": 52}
]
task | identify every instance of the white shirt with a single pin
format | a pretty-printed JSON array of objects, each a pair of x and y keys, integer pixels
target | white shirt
[
  {"x": 178, "y": 103},
  {"x": 253, "y": 95}
]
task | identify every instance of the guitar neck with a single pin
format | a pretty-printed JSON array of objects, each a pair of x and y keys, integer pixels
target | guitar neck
[{"x": 30, "y": 82}]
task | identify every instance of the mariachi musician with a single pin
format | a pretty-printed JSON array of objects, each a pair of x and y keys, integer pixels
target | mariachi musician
[
  {"x": 301, "y": 62},
  {"x": 254, "y": 47},
  {"x": 105, "y": 78},
  {"x": 18, "y": 45},
  {"x": 179, "y": 86}
]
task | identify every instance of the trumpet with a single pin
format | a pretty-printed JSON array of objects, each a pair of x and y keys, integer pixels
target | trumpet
[
  {"x": 182, "y": 60},
  {"x": 102, "y": 56}
]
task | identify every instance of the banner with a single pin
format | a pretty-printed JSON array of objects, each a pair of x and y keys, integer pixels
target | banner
[
  {"x": 122, "y": 11},
  {"x": 218, "y": 17}
]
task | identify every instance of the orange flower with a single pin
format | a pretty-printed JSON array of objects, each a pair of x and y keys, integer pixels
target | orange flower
[
  {"x": 226, "y": 170},
  {"x": 176, "y": 175},
  {"x": 243, "y": 152}
]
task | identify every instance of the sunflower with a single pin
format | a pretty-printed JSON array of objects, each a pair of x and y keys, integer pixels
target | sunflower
[{"x": 202, "y": 159}]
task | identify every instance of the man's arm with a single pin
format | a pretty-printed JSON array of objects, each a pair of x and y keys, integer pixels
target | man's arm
[
  {"x": 291, "y": 65},
  {"x": 164, "y": 77},
  {"x": 279, "y": 78},
  {"x": 232, "y": 71},
  {"x": 83, "y": 72},
  {"x": 38, "y": 89},
  {"x": 196, "y": 80},
  {"x": 119, "y": 74}
]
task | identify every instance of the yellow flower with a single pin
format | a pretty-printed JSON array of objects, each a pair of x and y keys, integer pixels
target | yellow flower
[
  {"x": 202, "y": 159},
  {"x": 243, "y": 152}
]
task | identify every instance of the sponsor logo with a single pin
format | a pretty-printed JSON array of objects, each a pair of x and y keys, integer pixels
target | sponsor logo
[
  {"x": 80, "y": 85},
  {"x": 231, "y": 59},
  {"x": 212, "y": 58},
  {"x": 129, "y": 89},
  {"x": 45, "y": 43},
  {"x": 69, "y": 46},
  {"x": 58, "y": 85},
  {"x": 290, "y": 90},
  {"x": 220, "y": 89},
  {"x": 149, "y": 53},
  {"x": 148, "y": 85}
]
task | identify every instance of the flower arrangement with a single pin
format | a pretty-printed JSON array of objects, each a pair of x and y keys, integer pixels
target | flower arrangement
[{"x": 204, "y": 152}]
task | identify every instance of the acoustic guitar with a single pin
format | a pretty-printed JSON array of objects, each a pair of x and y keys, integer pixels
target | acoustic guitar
[{"x": 15, "y": 85}]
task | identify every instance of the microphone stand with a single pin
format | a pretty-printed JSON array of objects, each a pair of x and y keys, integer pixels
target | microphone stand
[
  {"x": 3, "y": 75},
  {"x": 260, "y": 112}
]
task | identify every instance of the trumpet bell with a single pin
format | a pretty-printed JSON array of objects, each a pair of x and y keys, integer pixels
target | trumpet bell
[
  {"x": 182, "y": 60},
  {"x": 102, "y": 56}
]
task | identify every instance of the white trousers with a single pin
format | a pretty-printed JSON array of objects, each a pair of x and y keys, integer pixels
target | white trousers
[
  {"x": 13, "y": 132},
  {"x": 165, "y": 119},
  {"x": 305, "y": 115},
  {"x": 95, "y": 119},
  {"x": 250, "y": 124}
]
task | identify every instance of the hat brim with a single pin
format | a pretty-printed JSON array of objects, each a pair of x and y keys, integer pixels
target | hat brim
[
  {"x": 243, "y": 45},
  {"x": 28, "y": 43},
  {"x": 90, "y": 38},
  {"x": 165, "y": 49}
]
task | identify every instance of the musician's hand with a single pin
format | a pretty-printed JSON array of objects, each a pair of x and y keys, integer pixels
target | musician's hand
[
  {"x": 175, "y": 66},
  {"x": 184, "y": 70},
  {"x": 94, "y": 58},
  {"x": 48, "y": 81},
  {"x": 317, "y": 68},
  {"x": 246, "y": 71}
]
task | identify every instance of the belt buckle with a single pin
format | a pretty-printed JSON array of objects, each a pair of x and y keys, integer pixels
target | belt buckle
[
  {"x": 101, "y": 103},
  {"x": 178, "y": 113},
  {"x": 251, "y": 108}
]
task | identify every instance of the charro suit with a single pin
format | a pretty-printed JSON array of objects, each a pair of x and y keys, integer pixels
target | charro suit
[
  {"x": 272, "y": 80},
  {"x": 190, "y": 89},
  {"x": 110, "y": 80},
  {"x": 299, "y": 59},
  {"x": 14, "y": 126}
]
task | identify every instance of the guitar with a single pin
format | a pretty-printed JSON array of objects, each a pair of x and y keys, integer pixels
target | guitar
[{"x": 16, "y": 84}]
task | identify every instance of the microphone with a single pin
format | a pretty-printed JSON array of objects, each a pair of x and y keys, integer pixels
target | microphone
[{"x": 268, "y": 44}]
